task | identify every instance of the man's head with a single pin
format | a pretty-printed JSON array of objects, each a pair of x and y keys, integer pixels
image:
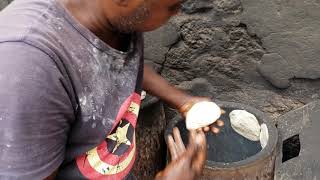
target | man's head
[{"x": 139, "y": 15}]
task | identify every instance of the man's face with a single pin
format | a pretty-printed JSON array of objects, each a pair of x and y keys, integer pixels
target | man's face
[{"x": 141, "y": 15}]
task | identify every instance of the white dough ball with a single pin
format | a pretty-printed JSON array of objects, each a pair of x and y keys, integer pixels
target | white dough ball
[
  {"x": 202, "y": 114},
  {"x": 245, "y": 124},
  {"x": 264, "y": 135}
]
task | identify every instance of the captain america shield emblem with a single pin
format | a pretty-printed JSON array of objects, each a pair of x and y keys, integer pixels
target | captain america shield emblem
[{"x": 115, "y": 156}]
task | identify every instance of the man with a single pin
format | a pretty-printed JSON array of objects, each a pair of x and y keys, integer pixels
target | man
[{"x": 71, "y": 75}]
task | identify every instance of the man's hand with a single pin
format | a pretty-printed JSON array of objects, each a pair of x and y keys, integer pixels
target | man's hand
[
  {"x": 193, "y": 100},
  {"x": 155, "y": 85},
  {"x": 186, "y": 164}
]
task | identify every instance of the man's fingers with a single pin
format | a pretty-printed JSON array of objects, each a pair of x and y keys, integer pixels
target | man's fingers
[
  {"x": 199, "y": 139},
  {"x": 206, "y": 129},
  {"x": 219, "y": 123},
  {"x": 223, "y": 111},
  {"x": 192, "y": 143},
  {"x": 215, "y": 130},
  {"x": 200, "y": 154},
  {"x": 179, "y": 143},
  {"x": 192, "y": 134},
  {"x": 198, "y": 162},
  {"x": 172, "y": 148}
]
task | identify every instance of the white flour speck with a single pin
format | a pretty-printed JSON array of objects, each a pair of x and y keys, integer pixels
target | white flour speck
[
  {"x": 83, "y": 101},
  {"x": 94, "y": 125},
  {"x": 104, "y": 122},
  {"x": 8, "y": 145}
]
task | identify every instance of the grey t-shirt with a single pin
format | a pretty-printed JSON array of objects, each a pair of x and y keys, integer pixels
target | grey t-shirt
[{"x": 67, "y": 99}]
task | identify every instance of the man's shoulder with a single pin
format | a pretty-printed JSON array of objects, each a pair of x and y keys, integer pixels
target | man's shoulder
[
  {"x": 38, "y": 23},
  {"x": 34, "y": 22},
  {"x": 19, "y": 18}
]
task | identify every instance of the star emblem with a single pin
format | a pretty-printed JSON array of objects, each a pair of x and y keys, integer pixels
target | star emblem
[{"x": 120, "y": 136}]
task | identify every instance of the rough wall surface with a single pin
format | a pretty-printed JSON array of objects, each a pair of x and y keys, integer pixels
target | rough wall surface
[{"x": 261, "y": 53}]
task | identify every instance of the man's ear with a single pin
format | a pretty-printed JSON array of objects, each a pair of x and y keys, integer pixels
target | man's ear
[{"x": 121, "y": 2}]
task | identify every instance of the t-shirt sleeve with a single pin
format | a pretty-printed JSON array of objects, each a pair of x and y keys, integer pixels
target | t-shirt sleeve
[{"x": 35, "y": 113}]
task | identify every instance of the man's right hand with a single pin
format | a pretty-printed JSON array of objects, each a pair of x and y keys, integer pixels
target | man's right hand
[{"x": 186, "y": 164}]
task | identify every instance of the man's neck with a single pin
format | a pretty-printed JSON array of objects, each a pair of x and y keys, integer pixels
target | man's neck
[{"x": 91, "y": 16}]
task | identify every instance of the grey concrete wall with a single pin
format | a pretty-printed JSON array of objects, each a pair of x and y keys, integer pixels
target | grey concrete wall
[{"x": 257, "y": 52}]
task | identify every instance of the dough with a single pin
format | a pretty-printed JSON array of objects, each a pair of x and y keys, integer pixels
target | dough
[
  {"x": 143, "y": 95},
  {"x": 245, "y": 124},
  {"x": 264, "y": 135},
  {"x": 202, "y": 114}
]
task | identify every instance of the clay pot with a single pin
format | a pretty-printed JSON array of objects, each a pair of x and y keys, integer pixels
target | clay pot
[{"x": 232, "y": 156}]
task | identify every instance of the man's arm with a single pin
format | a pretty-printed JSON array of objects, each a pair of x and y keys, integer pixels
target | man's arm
[{"x": 156, "y": 85}]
